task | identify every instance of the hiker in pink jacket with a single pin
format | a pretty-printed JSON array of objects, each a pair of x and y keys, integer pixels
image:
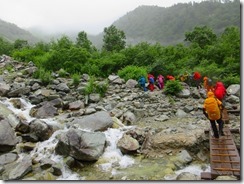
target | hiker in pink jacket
[{"x": 160, "y": 80}]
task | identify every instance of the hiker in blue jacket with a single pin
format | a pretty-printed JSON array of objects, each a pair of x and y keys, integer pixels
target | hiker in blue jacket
[{"x": 142, "y": 83}]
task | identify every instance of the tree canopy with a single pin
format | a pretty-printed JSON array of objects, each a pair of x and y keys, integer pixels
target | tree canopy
[{"x": 113, "y": 39}]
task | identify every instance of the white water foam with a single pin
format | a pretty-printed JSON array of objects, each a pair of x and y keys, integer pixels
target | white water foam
[
  {"x": 112, "y": 154},
  {"x": 23, "y": 112}
]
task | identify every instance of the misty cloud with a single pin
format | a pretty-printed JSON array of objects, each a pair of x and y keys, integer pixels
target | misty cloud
[{"x": 91, "y": 16}]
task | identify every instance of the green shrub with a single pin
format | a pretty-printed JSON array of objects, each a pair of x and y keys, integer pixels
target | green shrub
[
  {"x": 62, "y": 73},
  {"x": 132, "y": 72},
  {"x": 75, "y": 79},
  {"x": 231, "y": 79},
  {"x": 9, "y": 67},
  {"x": 44, "y": 75},
  {"x": 96, "y": 87},
  {"x": 90, "y": 87},
  {"x": 101, "y": 87},
  {"x": 172, "y": 87},
  {"x": 91, "y": 68}
]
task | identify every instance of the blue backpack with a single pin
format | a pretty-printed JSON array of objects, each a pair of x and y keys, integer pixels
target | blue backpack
[
  {"x": 142, "y": 80},
  {"x": 151, "y": 80}
]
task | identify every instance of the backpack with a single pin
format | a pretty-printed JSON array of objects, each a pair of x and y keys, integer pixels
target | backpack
[
  {"x": 212, "y": 108},
  {"x": 151, "y": 80},
  {"x": 210, "y": 82},
  {"x": 142, "y": 81},
  {"x": 197, "y": 76}
]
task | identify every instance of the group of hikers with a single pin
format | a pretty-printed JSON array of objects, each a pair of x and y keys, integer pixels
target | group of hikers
[
  {"x": 151, "y": 82},
  {"x": 213, "y": 104}
]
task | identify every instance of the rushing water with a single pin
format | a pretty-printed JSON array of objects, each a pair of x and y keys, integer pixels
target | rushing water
[{"x": 111, "y": 165}]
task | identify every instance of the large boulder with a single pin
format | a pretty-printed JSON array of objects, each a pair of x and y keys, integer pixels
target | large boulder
[
  {"x": 8, "y": 139},
  {"x": 18, "y": 169},
  {"x": 41, "y": 129},
  {"x": 45, "y": 111},
  {"x": 6, "y": 113},
  {"x": 98, "y": 121},
  {"x": 81, "y": 145},
  {"x": 173, "y": 139}
]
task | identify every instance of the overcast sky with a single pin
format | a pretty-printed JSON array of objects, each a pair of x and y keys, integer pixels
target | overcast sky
[{"x": 91, "y": 16}]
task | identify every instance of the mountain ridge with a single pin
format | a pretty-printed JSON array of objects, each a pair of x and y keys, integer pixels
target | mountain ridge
[{"x": 11, "y": 32}]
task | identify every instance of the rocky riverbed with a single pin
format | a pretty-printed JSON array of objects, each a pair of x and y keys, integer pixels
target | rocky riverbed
[{"x": 55, "y": 131}]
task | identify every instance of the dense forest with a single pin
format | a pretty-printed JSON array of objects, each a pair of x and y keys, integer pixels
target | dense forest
[{"x": 213, "y": 54}]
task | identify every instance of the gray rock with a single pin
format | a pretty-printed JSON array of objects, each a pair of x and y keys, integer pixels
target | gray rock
[
  {"x": 98, "y": 121},
  {"x": 4, "y": 89},
  {"x": 226, "y": 178},
  {"x": 76, "y": 105},
  {"x": 129, "y": 118},
  {"x": 62, "y": 87},
  {"x": 180, "y": 113},
  {"x": 128, "y": 144},
  {"x": 233, "y": 99},
  {"x": 8, "y": 138},
  {"x": 21, "y": 168},
  {"x": 81, "y": 145},
  {"x": 8, "y": 158},
  {"x": 187, "y": 176},
  {"x": 40, "y": 129},
  {"x": 185, "y": 93},
  {"x": 94, "y": 97},
  {"x": 131, "y": 83},
  {"x": 234, "y": 89},
  {"x": 45, "y": 111}
]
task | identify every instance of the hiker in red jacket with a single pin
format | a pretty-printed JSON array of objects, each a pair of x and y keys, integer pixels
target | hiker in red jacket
[
  {"x": 170, "y": 77},
  {"x": 151, "y": 81},
  {"x": 197, "y": 79},
  {"x": 219, "y": 91}
]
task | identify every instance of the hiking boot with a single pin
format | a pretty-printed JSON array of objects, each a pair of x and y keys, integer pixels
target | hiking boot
[
  {"x": 222, "y": 133},
  {"x": 216, "y": 136}
]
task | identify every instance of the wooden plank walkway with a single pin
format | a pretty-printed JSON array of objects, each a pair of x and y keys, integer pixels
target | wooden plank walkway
[{"x": 224, "y": 157}]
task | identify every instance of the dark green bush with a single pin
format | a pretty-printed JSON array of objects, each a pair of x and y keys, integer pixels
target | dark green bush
[{"x": 231, "y": 79}]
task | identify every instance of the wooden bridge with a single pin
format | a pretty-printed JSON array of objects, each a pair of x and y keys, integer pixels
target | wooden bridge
[{"x": 224, "y": 156}]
